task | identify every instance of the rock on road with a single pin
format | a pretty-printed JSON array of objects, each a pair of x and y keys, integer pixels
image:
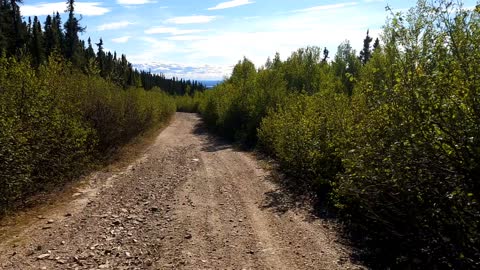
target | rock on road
[{"x": 190, "y": 202}]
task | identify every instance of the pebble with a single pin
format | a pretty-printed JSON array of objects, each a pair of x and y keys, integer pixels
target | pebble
[{"x": 43, "y": 256}]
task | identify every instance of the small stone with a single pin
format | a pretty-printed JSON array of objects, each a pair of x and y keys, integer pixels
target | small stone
[
  {"x": 128, "y": 254},
  {"x": 43, "y": 256},
  {"x": 154, "y": 209},
  {"x": 188, "y": 236},
  {"x": 117, "y": 222},
  {"x": 68, "y": 214}
]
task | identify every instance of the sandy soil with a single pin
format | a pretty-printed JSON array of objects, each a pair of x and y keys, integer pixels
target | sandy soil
[{"x": 190, "y": 202}]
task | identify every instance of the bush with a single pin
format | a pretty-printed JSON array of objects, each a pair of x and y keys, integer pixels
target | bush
[
  {"x": 55, "y": 121},
  {"x": 412, "y": 171},
  {"x": 393, "y": 138},
  {"x": 304, "y": 135}
]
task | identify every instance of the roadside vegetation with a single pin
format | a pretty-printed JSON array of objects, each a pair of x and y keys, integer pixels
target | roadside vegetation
[
  {"x": 391, "y": 135},
  {"x": 65, "y": 108}
]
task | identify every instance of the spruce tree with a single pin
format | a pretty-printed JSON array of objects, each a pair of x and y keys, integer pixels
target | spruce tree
[
  {"x": 376, "y": 44},
  {"x": 36, "y": 44},
  {"x": 101, "y": 58},
  {"x": 90, "y": 53},
  {"x": 18, "y": 30},
  {"x": 366, "y": 52},
  {"x": 325, "y": 55},
  {"x": 53, "y": 35},
  {"x": 73, "y": 46},
  {"x": 57, "y": 29}
]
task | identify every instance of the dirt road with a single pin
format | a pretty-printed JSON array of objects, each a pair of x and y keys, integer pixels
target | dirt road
[{"x": 191, "y": 202}]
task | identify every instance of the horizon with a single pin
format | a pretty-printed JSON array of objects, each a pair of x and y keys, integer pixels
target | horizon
[{"x": 204, "y": 40}]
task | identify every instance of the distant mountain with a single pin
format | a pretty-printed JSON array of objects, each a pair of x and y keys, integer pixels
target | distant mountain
[
  {"x": 206, "y": 74},
  {"x": 210, "y": 84}
]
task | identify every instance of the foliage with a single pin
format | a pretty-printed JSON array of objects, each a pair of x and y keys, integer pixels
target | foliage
[
  {"x": 55, "y": 121},
  {"x": 412, "y": 171},
  {"x": 303, "y": 135},
  {"x": 392, "y": 134}
]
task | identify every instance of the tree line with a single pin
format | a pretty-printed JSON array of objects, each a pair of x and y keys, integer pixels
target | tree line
[
  {"x": 29, "y": 38},
  {"x": 65, "y": 109},
  {"x": 388, "y": 138}
]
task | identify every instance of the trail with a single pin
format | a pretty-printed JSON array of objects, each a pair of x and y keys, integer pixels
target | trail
[{"x": 190, "y": 202}]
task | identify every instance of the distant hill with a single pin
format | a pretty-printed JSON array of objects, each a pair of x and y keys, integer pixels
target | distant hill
[
  {"x": 181, "y": 71},
  {"x": 210, "y": 84}
]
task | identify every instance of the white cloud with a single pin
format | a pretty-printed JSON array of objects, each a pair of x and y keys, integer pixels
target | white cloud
[
  {"x": 186, "y": 38},
  {"x": 121, "y": 39},
  {"x": 191, "y": 19},
  {"x": 231, "y": 4},
  {"x": 314, "y": 28},
  {"x": 186, "y": 71},
  {"x": 172, "y": 31},
  {"x": 135, "y": 2},
  {"x": 114, "y": 25},
  {"x": 260, "y": 37},
  {"x": 327, "y": 7},
  {"x": 154, "y": 48},
  {"x": 83, "y": 8}
]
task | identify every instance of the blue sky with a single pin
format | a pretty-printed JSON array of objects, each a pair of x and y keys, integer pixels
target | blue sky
[{"x": 204, "y": 39}]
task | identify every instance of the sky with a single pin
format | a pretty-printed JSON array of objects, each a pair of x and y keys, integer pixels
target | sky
[{"x": 204, "y": 39}]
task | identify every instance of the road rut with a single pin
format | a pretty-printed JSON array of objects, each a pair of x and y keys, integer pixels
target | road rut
[{"x": 190, "y": 202}]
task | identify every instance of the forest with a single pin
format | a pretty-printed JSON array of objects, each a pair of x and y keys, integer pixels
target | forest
[{"x": 387, "y": 137}]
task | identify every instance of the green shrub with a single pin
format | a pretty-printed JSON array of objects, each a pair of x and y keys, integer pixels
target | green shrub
[
  {"x": 412, "y": 171},
  {"x": 56, "y": 121},
  {"x": 304, "y": 135}
]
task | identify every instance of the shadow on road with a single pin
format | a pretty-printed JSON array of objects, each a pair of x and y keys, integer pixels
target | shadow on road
[{"x": 213, "y": 143}]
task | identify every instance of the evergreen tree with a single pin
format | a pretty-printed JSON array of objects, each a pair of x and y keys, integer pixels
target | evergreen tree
[
  {"x": 73, "y": 46},
  {"x": 37, "y": 43},
  {"x": 53, "y": 35},
  {"x": 366, "y": 52},
  {"x": 101, "y": 57},
  {"x": 57, "y": 29},
  {"x": 90, "y": 53},
  {"x": 12, "y": 30},
  {"x": 19, "y": 31},
  {"x": 376, "y": 44},
  {"x": 325, "y": 55}
]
